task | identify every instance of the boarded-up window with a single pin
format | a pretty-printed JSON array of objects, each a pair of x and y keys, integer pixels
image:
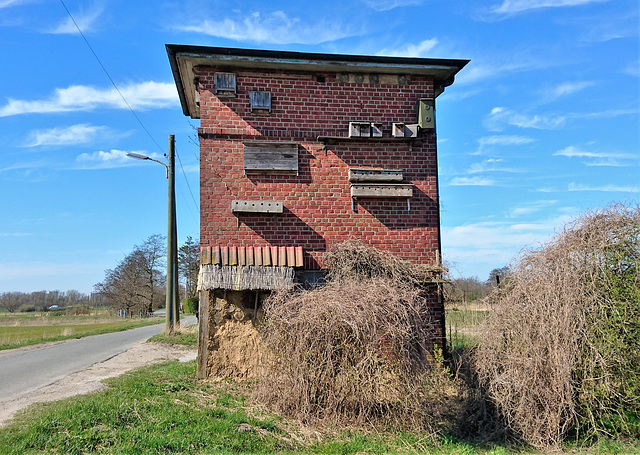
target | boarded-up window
[
  {"x": 260, "y": 102},
  {"x": 225, "y": 84},
  {"x": 270, "y": 157}
]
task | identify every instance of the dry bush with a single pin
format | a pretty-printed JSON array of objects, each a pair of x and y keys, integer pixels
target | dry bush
[
  {"x": 560, "y": 354},
  {"x": 353, "y": 259},
  {"x": 354, "y": 351}
]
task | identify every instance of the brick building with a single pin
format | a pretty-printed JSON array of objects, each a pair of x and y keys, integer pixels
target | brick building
[{"x": 299, "y": 152}]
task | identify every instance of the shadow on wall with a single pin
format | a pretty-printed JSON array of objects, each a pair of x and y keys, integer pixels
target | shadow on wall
[
  {"x": 399, "y": 214},
  {"x": 303, "y": 177},
  {"x": 286, "y": 229}
]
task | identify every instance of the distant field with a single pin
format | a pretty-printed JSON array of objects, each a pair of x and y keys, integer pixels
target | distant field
[
  {"x": 463, "y": 323},
  {"x": 24, "y": 329}
]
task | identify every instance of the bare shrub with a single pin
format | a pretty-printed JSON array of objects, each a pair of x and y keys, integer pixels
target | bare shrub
[
  {"x": 356, "y": 350},
  {"x": 560, "y": 353},
  {"x": 353, "y": 259}
]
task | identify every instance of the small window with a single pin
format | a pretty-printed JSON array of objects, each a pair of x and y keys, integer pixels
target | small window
[
  {"x": 260, "y": 102},
  {"x": 321, "y": 79},
  {"x": 225, "y": 84}
]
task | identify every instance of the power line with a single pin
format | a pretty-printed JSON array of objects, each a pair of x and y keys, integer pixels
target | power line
[
  {"x": 128, "y": 105},
  {"x": 112, "y": 81},
  {"x": 187, "y": 181}
]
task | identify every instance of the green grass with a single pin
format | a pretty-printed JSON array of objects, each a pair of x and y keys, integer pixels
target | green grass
[
  {"x": 462, "y": 327},
  {"x": 25, "y": 335},
  {"x": 183, "y": 337},
  {"x": 463, "y": 318},
  {"x": 165, "y": 409}
]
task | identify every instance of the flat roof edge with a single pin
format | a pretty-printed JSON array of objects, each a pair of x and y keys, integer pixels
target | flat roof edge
[
  {"x": 231, "y": 54},
  {"x": 183, "y": 58}
]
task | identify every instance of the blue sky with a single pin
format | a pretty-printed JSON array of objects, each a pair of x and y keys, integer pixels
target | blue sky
[{"x": 543, "y": 124}]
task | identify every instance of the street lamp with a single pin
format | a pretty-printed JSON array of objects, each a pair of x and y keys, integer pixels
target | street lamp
[
  {"x": 139, "y": 156},
  {"x": 172, "y": 296}
]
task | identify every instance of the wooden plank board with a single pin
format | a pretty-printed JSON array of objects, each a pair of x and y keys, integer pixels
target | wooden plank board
[
  {"x": 257, "y": 206},
  {"x": 375, "y": 175},
  {"x": 270, "y": 156},
  {"x": 382, "y": 190}
]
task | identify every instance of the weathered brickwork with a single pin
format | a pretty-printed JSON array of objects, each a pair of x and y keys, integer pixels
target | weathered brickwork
[{"x": 318, "y": 209}]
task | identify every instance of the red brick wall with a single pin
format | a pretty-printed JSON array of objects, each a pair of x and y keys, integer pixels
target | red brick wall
[{"x": 318, "y": 208}]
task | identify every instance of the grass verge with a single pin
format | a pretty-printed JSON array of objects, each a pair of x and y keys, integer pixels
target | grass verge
[
  {"x": 184, "y": 336},
  {"x": 165, "y": 409},
  {"x": 20, "y": 336}
]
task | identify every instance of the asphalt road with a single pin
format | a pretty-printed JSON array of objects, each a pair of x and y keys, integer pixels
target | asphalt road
[{"x": 23, "y": 371}]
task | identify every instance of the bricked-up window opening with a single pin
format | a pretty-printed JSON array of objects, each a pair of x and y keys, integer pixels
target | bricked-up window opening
[
  {"x": 260, "y": 102},
  {"x": 225, "y": 84}
]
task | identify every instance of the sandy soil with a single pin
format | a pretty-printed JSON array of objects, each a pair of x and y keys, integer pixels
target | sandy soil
[{"x": 90, "y": 380}]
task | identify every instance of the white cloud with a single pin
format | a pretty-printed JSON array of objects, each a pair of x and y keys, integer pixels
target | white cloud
[
  {"x": 605, "y": 188},
  {"x": 566, "y": 88},
  {"x": 471, "y": 181},
  {"x": 493, "y": 67},
  {"x": 7, "y": 3},
  {"x": 598, "y": 158},
  {"x": 501, "y": 140},
  {"x": 607, "y": 113},
  {"x": 529, "y": 209},
  {"x": 509, "y": 7},
  {"x": 109, "y": 160},
  {"x": 386, "y": 5},
  {"x": 633, "y": 69},
  {"x": 504, "y": 140},
  {"x": 26, "y": 166},
  {"x": 71, "y": 135},
  {"x": 145, "y": 95},
  {"x": 491, "y": 165},
  {"x": 84, "y": 20},
  {"x": 500, "y": 116},
  {"x": 412, "y": 50},
  {"x": 273, "y": 28},
  {"x": 483, "y": 246}
]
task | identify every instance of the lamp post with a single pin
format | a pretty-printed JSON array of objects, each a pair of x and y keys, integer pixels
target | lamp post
[{"x": 172, "y": 297}]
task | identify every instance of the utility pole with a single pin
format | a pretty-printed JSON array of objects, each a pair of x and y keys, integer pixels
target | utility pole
[
  {"x": 171, "y": 241},
  {"x": 172, "y": 302},
  {"x": 176, "y": 275}
]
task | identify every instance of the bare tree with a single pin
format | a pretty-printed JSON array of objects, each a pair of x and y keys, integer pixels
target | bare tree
[
  {"x": 498, "y": 276},
  {"x": 11, "y": 301},
  {"x": 135, "y": 284},
  {"x": 153, "y": 252},
  {"x": 465, "y": 290},
  {"x": 189, "y": 265}
]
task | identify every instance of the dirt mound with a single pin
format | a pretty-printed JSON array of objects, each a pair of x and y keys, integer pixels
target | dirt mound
[{"x": 238, "y": 351}]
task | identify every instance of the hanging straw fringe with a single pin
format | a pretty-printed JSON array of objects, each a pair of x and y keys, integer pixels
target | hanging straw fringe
[{"x": 239, "y": 278}]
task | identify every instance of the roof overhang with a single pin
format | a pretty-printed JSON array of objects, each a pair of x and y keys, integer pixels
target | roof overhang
[{"x": 184, "y": 59}]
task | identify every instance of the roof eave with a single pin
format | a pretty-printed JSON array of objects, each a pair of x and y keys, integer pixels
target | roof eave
[{"x": 184, "y": 59}]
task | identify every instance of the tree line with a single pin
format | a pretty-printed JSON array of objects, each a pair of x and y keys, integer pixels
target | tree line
[
  {"x": 467, "y": 290},
  {"x": 46, "y": 300},
  {"x": 135, "y": 286}
]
